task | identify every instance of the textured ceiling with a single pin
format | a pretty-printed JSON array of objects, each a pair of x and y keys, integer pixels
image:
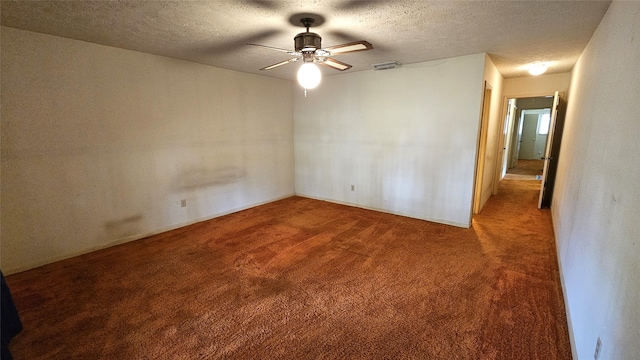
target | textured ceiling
[{"x": 513, "y": 33}]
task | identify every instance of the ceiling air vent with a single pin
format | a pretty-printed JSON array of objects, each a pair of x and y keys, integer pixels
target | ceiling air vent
[{"x": 386, "y": 65}]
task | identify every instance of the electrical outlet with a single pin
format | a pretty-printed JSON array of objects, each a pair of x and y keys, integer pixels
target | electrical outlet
[
  {"x": 353, "y": 188},
  {"x": 596, "y": 354},
  {"x": 183, "y": 202}
]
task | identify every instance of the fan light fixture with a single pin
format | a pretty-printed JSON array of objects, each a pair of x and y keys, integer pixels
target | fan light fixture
[
  {"x": 537, "y": 68},
  {"x": 309, "y": 75},
  {"x": 308, "y": 48}
]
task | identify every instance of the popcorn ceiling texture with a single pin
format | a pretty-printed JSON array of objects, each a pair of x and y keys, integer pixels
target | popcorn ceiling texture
[{"x": 513, "y": 33}]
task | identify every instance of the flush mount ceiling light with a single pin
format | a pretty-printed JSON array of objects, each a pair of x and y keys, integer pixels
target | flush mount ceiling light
[{"x": 537, "y": 68}]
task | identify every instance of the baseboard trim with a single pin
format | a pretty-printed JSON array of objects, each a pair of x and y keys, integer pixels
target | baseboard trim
[
  {"x": 387, "y": 211},
  {"x": 18, "y": 269},
  {"x": 572, "y": 342}
]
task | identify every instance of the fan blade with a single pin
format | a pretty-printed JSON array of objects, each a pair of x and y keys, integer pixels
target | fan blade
[
  {"x": 290, "y": 52},
  {"x": 335, "y": 64},
  {"x": 280, "y": 64},
  {"x": 349, "y": 47}
]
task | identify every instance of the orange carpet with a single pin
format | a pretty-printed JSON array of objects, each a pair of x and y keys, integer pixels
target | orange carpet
[
  {"x": 306, "y": 279},
  {"x": 527, "y": 167}
]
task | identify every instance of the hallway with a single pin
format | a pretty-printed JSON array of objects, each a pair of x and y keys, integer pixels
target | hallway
[
  {"x": 525, "y": 170},
  {"x": 521, "y": 236}
]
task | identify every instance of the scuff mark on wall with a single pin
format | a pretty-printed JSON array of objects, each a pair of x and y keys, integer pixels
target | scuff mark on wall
[
  {"x": 121, "y": 228},
  {"x": 208, "y": 177}
]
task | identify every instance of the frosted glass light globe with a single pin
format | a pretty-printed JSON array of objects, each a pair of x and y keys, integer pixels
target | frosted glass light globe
[
  {"x": 309, "y": 75},
  {"x": 537, "y": 69}
]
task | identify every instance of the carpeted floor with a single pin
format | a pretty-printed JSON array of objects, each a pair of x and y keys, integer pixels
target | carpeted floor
[
  {"x": 525, "y": 170},
  {"x": 306, "y": 279}
]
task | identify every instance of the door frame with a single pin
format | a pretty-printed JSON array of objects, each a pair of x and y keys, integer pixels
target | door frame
[
  {"x": 482, "y": 147},
  {"x": 500, "y": 153},
  {"x": 552, "y": 150},
  {"x": 504, "y": 139},
  {"x": 537, "y": 112}
]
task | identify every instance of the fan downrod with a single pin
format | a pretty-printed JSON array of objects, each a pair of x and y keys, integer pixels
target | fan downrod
[
  {"x": 307, "y": 22},
  {"x": 307, "y": 42}
]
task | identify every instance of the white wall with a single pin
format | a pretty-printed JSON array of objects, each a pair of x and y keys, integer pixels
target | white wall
[
  {"x": 596, "y": 203},
  {"x": 405, "y": 138},
  {"x": 100, "y": 145}
]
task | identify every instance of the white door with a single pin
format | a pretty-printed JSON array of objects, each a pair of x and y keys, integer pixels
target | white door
[
  {"x": 507, "y": 134},
  {"x": 528, "y": 139},
  {"x": 547, "y": 151}
]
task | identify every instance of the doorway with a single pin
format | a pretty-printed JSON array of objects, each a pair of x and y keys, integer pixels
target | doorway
[
  {"x": 533, "y": 138},
  {"x": 482, "y": 149},
  {"x": 527, "y": 132},
  {"x": 530, "y": 141}
]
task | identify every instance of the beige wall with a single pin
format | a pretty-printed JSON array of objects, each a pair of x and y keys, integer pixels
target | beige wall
[
  {"x": 100, "y": 145},
  {"x": 494, "y": 80},
  {"x": 597, "y": 198},
  {"x": 532, "y": 86},
  {"x": 405, "y": 138}
]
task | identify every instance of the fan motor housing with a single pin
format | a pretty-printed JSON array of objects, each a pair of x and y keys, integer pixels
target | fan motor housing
[{"x": 307, "y": 41}]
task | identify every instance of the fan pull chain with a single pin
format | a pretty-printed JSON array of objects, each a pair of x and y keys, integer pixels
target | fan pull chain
[{"x": 305, "y": 92}]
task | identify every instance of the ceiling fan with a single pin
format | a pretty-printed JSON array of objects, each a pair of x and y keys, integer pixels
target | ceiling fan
[{"x": 308, "y": 47}]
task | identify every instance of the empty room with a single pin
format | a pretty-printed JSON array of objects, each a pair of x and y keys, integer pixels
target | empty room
[{"x": 320, "y": 180}]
